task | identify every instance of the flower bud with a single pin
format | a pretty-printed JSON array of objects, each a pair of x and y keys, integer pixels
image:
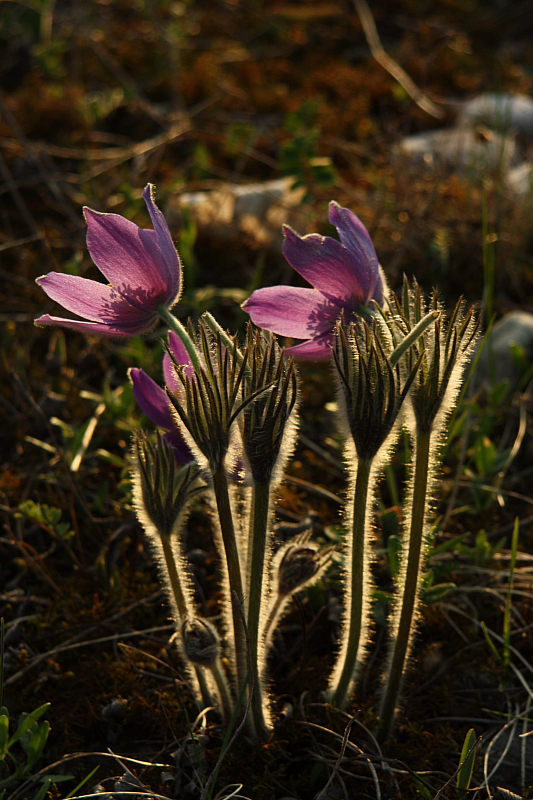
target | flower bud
[
  {"x": 201, "y": 642},
  {"x": 300, "y": 563},
  {"x": 371, "y": 389},
  {"x": 442, "y": 351},
  {"x": 161, "y": 490},
  {"x": 270, "y": 394}
]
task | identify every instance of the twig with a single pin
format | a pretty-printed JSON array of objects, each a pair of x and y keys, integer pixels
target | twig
[{"x": 392, "y": 67}]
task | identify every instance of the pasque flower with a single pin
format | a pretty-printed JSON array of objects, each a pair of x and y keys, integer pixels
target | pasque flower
[
  {"x": 142, "y": 267},
  {"x": 345, "y": 275},
  {"x": 154, "y": 401}
]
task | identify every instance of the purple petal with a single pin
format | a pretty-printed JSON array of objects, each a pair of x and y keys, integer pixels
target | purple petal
[
  {"x": 182, "y": 451},
  {"x": 178, "y": 350},
  {"x": 166, "y": 245},
  {"x": 355, "y": 237},
  {"x": 328, "y": 266},
  {"x": 130, "y": 259},
  {"x": 291, "y": 311},
  {"x": 152, "y": 399},
  {"x": 314, "y": 349},
  {"x": 91, "y": 300},
  {"x": 97, "y": 328}
]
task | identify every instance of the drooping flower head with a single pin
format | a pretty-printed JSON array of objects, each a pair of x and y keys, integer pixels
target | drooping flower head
[
  {"x": 154, "y": 401},
  {"x": 346, "y": 278},
  {"x": 142, "y": 267}
]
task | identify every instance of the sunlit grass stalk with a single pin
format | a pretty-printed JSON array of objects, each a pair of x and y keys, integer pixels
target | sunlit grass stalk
[
  {"x": 409, "y": 593},
  {"x": 357, "y": 568}
]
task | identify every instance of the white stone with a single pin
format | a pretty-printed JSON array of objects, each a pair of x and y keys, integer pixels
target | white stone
[
  {"x": 460, "y": 148},
  {"x": 520, "y": 180},
  {"x": 503, "y": 112},
  {"x": 496, "y": 362}
]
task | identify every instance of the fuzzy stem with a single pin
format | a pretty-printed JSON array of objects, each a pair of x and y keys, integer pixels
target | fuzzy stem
[
  {"x": 176, "y": 326},
  {"x": 178, "y": 596},
  {"x": 355, "y": 624},
  {"x": 223, "y": 690},
  {"x": 207, "y": 696},
  {"x": 227, "y": 529},
  {"x": 272, "y": 619},
  {"x": 409, "y": 591},
  {"x": 259, "y": 521},
  {"x": 179, "y": 600}
]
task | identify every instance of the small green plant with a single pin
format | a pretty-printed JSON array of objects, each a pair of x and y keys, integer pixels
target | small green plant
[
  {"x": 30, "y": 735},
  {"x": 298, "y": 156}
]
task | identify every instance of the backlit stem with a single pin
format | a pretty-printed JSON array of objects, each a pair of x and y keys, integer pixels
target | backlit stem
[
  {"x": 355, "y": 624},
  {"x": 410, "y": 590},
  {"x": 229, "y": 539},
  {"x": 259, "y": 522}
]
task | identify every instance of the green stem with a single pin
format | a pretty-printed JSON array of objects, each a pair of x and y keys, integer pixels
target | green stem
[
  {"x": 268, "y": 632},
  {"x": 410, "y": 590},
  {"x": 259, "y": 521},
  {"x": 229, "y": 539},
  {"x": 183, "y": 607},
  {"x": 355, "y": 621},
  {"x": 176, "y": 326},
  {"x": 180, "y": 601},
  {"x": 223, "y": 690}
]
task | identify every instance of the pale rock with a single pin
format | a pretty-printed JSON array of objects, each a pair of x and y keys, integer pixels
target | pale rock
[
  {"x": 462, "y": 149},
  {"x": 496, "y": 362},
  {"x": 502, "y": 112},
  {"x": 257, "y": 211}
]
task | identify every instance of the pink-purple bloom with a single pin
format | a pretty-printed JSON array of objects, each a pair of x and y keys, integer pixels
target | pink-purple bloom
[
  {"x": 346, "y": 278},
  {"x": 154, "y": 401},
  {"x": 142, "y": 267}
]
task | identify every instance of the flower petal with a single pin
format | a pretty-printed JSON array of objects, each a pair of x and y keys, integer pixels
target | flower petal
[
  {"x": 314, "y": 349},
  {"x": 179, "y": 351},
  {"x": 328, "y": 266},
  {"x": 92, "y": 300},
  {"x": 355, "y": 237},
  {"x": 182, "y": 451},
  {"x": 98, "y": 328},
  {"x": 168, "y": 252},
  {"x": 151, "y": 398},
  {"x": 130, "y": 259},
  {"x": 291, "y": 311}
]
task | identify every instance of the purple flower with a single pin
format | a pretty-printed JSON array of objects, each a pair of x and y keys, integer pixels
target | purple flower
[
  {"x": 142, "y": 267},
  {"x": 345, "y": 275},
  {"x": 154, "y": 402}
]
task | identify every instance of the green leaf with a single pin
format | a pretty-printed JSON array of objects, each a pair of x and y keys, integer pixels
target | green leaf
[
  {"x": 25, "y": 723},
  {"x": 41, "y": 794},
  {"x": 434, "y": 594},
  {"x": 466, "y": 764},
  {"x": 37, "y": 743},
  {"x": 4, "y": 734},
  {"x": 81, "y": 783}
]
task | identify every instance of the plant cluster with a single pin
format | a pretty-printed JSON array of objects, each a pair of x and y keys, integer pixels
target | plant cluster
[{"x": 229, "y": 412}]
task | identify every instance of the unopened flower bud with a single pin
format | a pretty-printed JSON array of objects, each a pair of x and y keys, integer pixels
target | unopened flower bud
[
  {"x": 270, "y": 394},
  {"x": 161, "y": 490},
  {"x": 201, "y": 642},
  {"x": 371, "y": 388},
  {"x": 300, "y": 563}
]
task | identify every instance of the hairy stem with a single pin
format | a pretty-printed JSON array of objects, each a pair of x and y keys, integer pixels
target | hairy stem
[
  {"x": 227, "y": 529},
  {"x": 259, "y": 522},
  {"x": 409, "y": 590},
  {"x": 356, "y": 614},
  {"x": 178, "y": 596},
  {"x": 223, "y": 690}
]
